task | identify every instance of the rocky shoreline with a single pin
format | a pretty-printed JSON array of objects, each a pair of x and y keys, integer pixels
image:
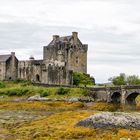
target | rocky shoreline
[
  {"x": 108, "y": 120},
  {"x": 69, "y": 99}
]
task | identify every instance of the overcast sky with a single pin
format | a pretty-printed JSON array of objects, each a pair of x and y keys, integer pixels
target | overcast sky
[{"x": 111, "y": 28}]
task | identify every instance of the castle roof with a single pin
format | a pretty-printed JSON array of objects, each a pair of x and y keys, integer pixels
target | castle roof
[
  {"x": 61, "y": 40},
  {"x": 4, "y": 58}
]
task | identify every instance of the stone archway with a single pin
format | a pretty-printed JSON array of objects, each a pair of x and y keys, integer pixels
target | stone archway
[
  {"x": 131, "y": 98},
  {"x": 116, "y": 97},
  {"x": 37, "y": 78}
]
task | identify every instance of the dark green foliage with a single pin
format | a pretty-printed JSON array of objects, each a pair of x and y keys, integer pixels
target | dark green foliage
[
  {"x": 118, "y": 80},
  {"x": 85, "y": 92},
  {"x": 123, "y": 79},
  {"x": 14, "y": 92},
  {"x": 23, "y": 82},
  {"x": 133, "y": 80},
  {"x": 82, "y": 79},
  {"x": 44, "y": 94},
  {"x": 2, "y": 85},
  {"x": 63, "y": 91}
]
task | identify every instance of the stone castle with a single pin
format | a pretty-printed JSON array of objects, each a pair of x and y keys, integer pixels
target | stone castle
[{"x": 62, "y": 57}]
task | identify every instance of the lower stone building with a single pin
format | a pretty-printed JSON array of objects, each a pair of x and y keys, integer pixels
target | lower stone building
[
  {"x": 39, "y": 71},
  {"x": 8, "y": 67}
]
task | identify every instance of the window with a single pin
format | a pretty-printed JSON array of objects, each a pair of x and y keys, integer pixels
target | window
[{"x": 77, "y": 60}]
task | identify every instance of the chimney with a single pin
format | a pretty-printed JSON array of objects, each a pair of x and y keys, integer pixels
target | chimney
[
  {"x": 75, "y": 37},
  {"x": 13, "y": 53},
  {"x": 55, "y": 37}
]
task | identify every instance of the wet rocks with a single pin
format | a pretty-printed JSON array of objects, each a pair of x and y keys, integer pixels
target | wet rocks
[
  {"x": 37, "y": 98},
  {"x": 112, "y": 120}
]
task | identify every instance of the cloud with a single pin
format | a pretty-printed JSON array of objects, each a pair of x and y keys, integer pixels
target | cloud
[{"x": 110, "y": 28}]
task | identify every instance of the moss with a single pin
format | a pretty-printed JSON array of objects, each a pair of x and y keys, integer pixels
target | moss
[
  {"x": 103, "y": 106},
  {"x": 35, "y": 105},
  {"x": 60, "y": 125}
]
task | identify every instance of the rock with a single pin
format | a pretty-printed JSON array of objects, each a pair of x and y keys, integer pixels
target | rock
[
  {"x": 112, "y": 120},
  {"x": 19, "y": 99},
  {"x": 74, "y": 99},
  {"x": 37, "y": 98},
  {"x": 86, "y": 99},
  {"x": 80, "y": 99}
]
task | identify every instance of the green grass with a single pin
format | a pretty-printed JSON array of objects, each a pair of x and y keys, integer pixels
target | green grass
[{"x": 27, "y": 89}]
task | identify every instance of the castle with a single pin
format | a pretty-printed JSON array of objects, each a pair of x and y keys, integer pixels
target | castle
[{"x": 62, "y": 57}]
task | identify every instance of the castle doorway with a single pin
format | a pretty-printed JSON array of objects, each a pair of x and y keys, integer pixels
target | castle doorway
[{"x": 37, "y": 78}]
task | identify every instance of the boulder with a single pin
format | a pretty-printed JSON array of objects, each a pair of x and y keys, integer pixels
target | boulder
[
  {"x": 86, "y": 99},
  {"x": 37, "y": 98},
  {"x": 73, "y": 99},
  {"x": 112, "y": 120}
]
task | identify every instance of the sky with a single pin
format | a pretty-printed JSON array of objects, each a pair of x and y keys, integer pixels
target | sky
[{"x": 111, "y": 28}]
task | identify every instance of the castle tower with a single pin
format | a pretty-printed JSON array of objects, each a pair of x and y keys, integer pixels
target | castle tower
[{"x": 68, "y": 51}]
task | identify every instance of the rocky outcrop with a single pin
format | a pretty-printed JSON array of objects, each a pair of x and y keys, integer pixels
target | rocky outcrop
[
  {"x": 37, "y": 98},
  {"x": 72, "y": 99},
  {"x": 112, "y": 120}
]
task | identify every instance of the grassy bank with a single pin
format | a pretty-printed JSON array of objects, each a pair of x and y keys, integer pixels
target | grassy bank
[{"x": 27, "y": 89}]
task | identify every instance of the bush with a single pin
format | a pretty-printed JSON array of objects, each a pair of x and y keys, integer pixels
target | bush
[
  {"x": 82, "y": 79},
  {"x": 44, "y": 94},
  {"x": 85, "y": 92},
  {"x": 63, "y": 91},
  {"x": 2, "y": 85},
  {"x": 23, "y": 82},
  {"x": 14, "y": 92}
]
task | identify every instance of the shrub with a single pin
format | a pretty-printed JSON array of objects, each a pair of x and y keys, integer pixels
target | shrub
[
  {"x": 82, "y": 79},
  {"x": 23, "y": 82},
  {"x": 85, "y": 92},
  {"x": 14, "y": 92},
  {"x": 63, "y": 91},
  {"x": 26, "y": 84},
  {"x": 2, "y": 85},
  {"x": 44, "y": 94}
]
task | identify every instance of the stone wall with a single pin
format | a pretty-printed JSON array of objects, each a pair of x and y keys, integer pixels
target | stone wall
[
  {"x": 39, "y": 71},
  {"x": 77, "y": 59},
  {"x": 2, "y": 71},
  {"x": 12, "y": 67}
]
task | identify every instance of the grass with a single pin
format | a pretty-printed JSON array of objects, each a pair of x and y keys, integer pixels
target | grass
[{"x": 27, "y": 89}]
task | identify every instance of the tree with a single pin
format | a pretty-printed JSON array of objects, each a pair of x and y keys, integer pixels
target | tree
[
  {"x": 118, "y": 80},
  {"x": 122, "y": 79},
  {"x": 82, "y": 79},
  {"x": 133, "y": 80}
]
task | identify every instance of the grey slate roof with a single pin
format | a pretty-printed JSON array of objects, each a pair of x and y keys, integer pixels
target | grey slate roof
[
  {"x": 61, "y": 40},
  {"x": 4, "y": 58},
  {"x": 65, "y": 37}
]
